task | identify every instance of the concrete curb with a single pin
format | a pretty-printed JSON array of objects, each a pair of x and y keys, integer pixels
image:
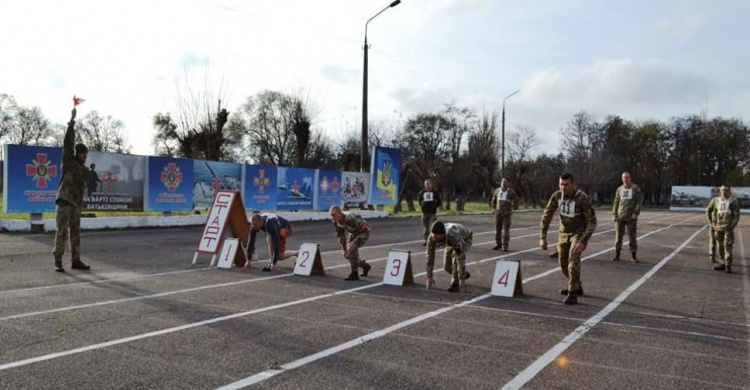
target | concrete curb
[{"x": 48, "y": 225}]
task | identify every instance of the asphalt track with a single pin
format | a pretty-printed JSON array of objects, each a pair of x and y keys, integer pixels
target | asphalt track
[{"x": 145, "y": 318}]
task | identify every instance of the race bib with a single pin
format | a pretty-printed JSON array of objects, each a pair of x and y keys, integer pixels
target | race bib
[
  {"x": 427, "y": 197},
  {"x": 568, "y": 208},
  {"x": 723, "y": 207},
  {"x": 502, "y": 196},
  {"x": 626, "y": 194}
]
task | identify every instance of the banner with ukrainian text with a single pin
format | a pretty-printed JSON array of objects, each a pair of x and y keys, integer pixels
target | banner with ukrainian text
[
  {"x": 31, "y": 175},
  {"x": 295, "y": 188},
  {"x": 115, "y": 182},
  {"x": 260, "y": 187},
  {"x": 385, "y": 169},
  {"x": 211, "y": 176},
  {"x": 170, "y": 184},
  {"x": 328, "y": 190}
]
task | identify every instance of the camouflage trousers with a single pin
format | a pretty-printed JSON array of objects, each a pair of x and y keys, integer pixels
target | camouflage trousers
[
  {"x": 454, "y": 262},
  {"x": 724, "y": 240},
  {"x": 632, "y": 227},
  {"x": 502, "y": 229},
  {"x": 570, "y": 264},
  {"x": 68, "y": 220},
  {"x": 354, "y": 259},
  {"x": 427, "y": 221}
]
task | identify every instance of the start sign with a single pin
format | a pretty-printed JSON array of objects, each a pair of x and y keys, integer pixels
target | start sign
[{"x": 227, "y": 211}]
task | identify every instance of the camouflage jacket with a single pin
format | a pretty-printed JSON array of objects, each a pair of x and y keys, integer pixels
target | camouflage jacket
[
  {"x": 627, "y": 202},
  {"x": 457, "y": 237},
  {"x": 74, "y": 174},
  {"x": 724, "y": 213},
  {"x": 503, "y": 202},
  {"x": 577, "y": 217},
  {"x": 359, "y": 230}
]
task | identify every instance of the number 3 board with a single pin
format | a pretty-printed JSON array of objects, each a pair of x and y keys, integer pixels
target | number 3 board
[{"x": 398, "y": 270}]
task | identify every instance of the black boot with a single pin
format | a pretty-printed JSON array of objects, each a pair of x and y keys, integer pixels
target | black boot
[
  {"x": 352, "y": 276},
  {"x": 505, "y": 248},
  {"x": 720, "y": 267},
  {"x": 729, "y": 269},
  {"x": 617, "y": 256},
  {"x": 59, "y": 265},
  {"x": 553, "y": 255},
  {"x": 571, "y": 299},
  {"x": 577, "y": 292},
  {"x": 633, "y": 258},
  {"x": 79, "y": 265},
  {"x": 496, "y": 247},
  {"x": 454, "y": 287},
  {"x": 366, "y": 269}
]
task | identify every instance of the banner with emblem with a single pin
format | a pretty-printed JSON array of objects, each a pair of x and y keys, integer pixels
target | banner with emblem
[
  {"x": 328, "y": 189},
  {"x": 260, "y": 187},
  {"x": 31, "y": 175},
  {"x": 385, "y": 168},
  {"x": 355, "y": 188},
  {"x": 115, "y": 182},
  {"x": 296, "y": 188},
  {"x": 170, "y": 184},
  {"x": 212, "y": 176}
]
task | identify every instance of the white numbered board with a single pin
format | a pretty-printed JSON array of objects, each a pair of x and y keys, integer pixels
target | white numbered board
[
  {"x": 228, "y": 252},
  {"x": 309, "y": 261},
  {"x": 398, "y": 270},
  {"x": 507, "y": 275}
]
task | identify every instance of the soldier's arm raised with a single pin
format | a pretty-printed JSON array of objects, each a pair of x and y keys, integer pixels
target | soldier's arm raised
[{"x": 69, "y": 152}]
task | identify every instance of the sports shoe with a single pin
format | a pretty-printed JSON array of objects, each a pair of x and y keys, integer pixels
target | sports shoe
[
  {"x": 267, "y": 268},
  {"x": 366, "y": 269}
]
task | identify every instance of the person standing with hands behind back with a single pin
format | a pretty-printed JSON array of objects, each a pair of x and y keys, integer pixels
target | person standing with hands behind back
[{"x": 429, "y": 201}]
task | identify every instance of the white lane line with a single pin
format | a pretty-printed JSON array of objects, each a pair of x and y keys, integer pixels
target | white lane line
[
  {"x": 200, "y": 288},
  {"x": 262, "y": 376},
  {"x": 135, "y": 277},
  {"x": 548, "y": 357}
]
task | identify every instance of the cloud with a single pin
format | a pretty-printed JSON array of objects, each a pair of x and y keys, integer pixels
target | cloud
[
  {"x": 614, "y": 85},
  {"x": 339, "y": 74},
  {"x": 413, "y": 100},
  {"x": 683, "y": 27}
]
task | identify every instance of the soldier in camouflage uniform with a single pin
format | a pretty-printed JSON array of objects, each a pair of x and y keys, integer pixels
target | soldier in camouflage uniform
[
  {"x": 69, "y": 200},
  {"x": 429, "y": 201},
  {"x": 723, "y": 215},
  {"x": 457, "y": 240},
  {"x": 627, "y": 206},
  {"x": 502, "y": 203},
  {"x": 577, "y": 225},
  {"x": 359, "y": 232}
]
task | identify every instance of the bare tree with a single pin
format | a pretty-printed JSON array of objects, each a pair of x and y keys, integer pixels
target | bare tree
[
  {"x": 24, "y": 125},
  {"x": 102, "y": 133}
]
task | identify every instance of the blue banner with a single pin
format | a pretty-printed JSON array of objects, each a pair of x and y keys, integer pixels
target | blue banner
[
  {"x": 328, "y": 189},
  {"x": 170, "y": 184},
  {"x": 385, "y": 169},
  {"x": 260, "y": 187},
  {"x": 296, "y": 186},
  {"x": 211, "y": 176},
  {"x": 32, "y": 175}
]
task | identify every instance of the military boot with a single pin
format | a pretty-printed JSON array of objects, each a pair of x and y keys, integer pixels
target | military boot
[
  {"x": 352, "y": 276},
  {"x": 729, "y": 269},
  {"x": 58, "y": 264},
  {"x": 454, "y": 287},
  {"x": 633, "y": 258},
  {"x": 577, "y": 292},
  {"x": 366, "y": 269},
  {"x": 720, "y": 267},
  {"x": 79, "y": 265},
  {"x": 571, "y": 299},
  {"x": 496, "y": 247},
  {"x": 617, "y": 256},
  {"x": 712, "y": 258}
]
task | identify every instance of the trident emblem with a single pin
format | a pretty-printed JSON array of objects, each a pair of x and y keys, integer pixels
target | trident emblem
[{"x": 386, "y": 173}]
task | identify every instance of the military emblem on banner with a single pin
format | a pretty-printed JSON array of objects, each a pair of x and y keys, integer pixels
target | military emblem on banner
[
  {"x": 261, "y": 181},
  {"x": 385, "y": 175},
  {"x": 171, "y": 176},
  {"x": 41, "y": 170}
]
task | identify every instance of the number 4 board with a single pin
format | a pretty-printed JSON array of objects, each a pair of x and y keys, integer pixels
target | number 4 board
[
  {"x": 309, "y": 261},
  {"x": 398, "y": 271},
  {"x": 507, "y": 280}
]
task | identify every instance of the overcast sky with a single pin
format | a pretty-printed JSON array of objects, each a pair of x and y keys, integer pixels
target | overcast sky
[{"x": 638, "y": 59}]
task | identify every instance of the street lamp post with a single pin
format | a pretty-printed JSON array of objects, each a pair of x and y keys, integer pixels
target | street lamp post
[
  {"x": 364, "y": 92},
  {"x": 502, "y": 153}
]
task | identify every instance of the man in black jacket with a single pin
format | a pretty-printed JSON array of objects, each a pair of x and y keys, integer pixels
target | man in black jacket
[{"x": 429, "y": 201}]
